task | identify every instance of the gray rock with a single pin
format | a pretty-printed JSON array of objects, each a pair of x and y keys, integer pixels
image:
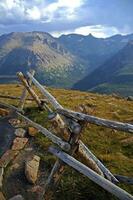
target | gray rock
[
  {"x": 130, "y": 98},
  {"x": 20, "y": 132},
  {"x": 1, "y": 176},
  {"x": 17, "y": 197}
]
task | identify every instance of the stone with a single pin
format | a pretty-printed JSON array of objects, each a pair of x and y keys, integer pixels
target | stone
[
  {"x": 19, "y": 143},
  {"x": 2, "y": 196},
  {"x": 14, "y": 122},
  {"x": 17, "y": 197},
  {"x": 130, "y": 98},
  {"x": 32, "y": 131},
  {"x": 1, "y": 176},
  {"x": 7, "y": 157},
  {"x": 31, "y": 169},
  {"x": 4, "y": 112},
  {"x": 20, "y": 132}
]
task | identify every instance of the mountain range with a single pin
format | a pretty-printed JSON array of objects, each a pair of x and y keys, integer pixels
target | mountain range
[{"x": 71, "y": 61}]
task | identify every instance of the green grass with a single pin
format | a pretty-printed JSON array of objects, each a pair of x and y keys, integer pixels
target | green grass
[{"x": 106, "y": 144}]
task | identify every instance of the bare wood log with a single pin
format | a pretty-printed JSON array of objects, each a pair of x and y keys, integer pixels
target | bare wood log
[
  {"x": 74, "y": 127},
  {"x": 59, "y": 168},
  {"x": 96, "y": 120},
  {"x": 13, "y": 97},
  {"x": 83, "y": 152},
  {"x": 64, "y": 145},
  {"x": 30, "y": 90},
  {"x": 90, "y": 155},
  {"x": 51, "y": 99},
  {"x": 104, "y": 183},
  {"x": 11, "y": 107},
  {"x": 18, "y": 98},
  {"x": 24, "y": 93},
  {"x": 124, "y": 179}
]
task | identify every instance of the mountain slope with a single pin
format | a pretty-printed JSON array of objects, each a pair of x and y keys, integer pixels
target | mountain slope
[
  {"x": 94, "y": 51},
  {"x": 116, "y": 74},
  {"x": 40, "y": 51}
]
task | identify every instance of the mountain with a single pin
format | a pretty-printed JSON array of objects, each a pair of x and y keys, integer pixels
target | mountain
[
  {"x": 94, "y": 51},
  {"x": 59, "y": 62},
  {"x": 54, "y": 64},
  {"x": 115, "y": 75}
]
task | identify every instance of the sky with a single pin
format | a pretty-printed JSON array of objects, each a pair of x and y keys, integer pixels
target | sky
[{"x": 101, "y": 18}]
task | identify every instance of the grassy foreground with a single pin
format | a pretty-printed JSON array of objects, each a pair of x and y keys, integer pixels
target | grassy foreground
[{"x": 113, "y": 148}]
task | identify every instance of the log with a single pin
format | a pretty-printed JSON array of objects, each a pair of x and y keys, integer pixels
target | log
[
  {"x": 18, "y": 98},
  {"x": 90, "y": 155},
  {"x": 11, "y": 107},
  {"x": 124, "y": 179},
  {"x": 59, "y": 168},
  {"x": 83, "y": 152},
  {"x": 64, "y": 145},
  {"x": 50, "y": 98},
  {"x": 104, "y": 183},
  {"x": 24, "y": 93},
  {"x": 73, "y": 126},
  {"x": 96, "y": 120},
  {"x": 30, "y": 90}
]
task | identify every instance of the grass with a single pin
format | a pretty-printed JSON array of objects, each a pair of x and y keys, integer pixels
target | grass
[{"x": 108, "y": 145}]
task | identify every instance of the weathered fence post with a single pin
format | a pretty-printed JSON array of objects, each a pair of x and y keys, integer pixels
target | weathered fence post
[
  {"x": 24, "y": 93},
  {"x": 30, "y": 90}
]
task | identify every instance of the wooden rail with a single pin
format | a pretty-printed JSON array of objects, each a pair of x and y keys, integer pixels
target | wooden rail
[
  {"x": 96, "y": 120},
  {"x": 71, "y": 125},
  {"x": 62, "y": 144},
  {"x": 104, "y": 183}
]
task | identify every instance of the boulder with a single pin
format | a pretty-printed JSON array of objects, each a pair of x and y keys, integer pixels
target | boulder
[
  {"x": 1, "y": 176},
  {"x": 31, "y": 169},
  {"x": 2, "y": 196},
  {"x": 14, "y": 122},
  {"x": 20, "y": 132},
  {"x": 17, "y": 197},
  {"x": 32, "y": 131},
  {"x": 7, "y": 157},
  {"x": 130, "y": 98},
  {"x": 19, "y": 143}
]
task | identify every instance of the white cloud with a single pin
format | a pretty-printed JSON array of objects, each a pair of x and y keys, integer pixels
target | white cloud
[
  {"x": 98, "y": 31},
  {"x": 38, "y": 10},
  {"x": 33, "y": 13}
]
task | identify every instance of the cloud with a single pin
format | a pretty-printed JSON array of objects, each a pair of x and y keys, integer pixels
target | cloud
[
  {"x": 24, "y": 10},
  {"x": 99, "y": 17},
  {"x": 99, "y": 31}
]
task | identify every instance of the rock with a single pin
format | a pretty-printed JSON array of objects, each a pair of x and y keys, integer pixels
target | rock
[
  {"x": 7, "y": 157},
  {"x": 130, "y": 98},
  {"x": 2, "y": 196},
  {"x": 4, "y": 112},
  {"x": 32, "y": 131},
  {"x": 14, "y": 122},
  {"x": 20, "y": 132},
  {"x": 31, "y": 169},
  {"x": 1, "y": 176},
  {"x": 17, "y": 197},
  {"x": 37, "y": 189},
  {"x": 19, "y": 143}
]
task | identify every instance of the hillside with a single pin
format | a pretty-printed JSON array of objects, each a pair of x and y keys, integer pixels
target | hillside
[
  {"x": 115, "y": 75},
  {"x": 113, "y": 148},
  {"x": 94, "y": 51},
  {"x": 59, "y": 62},
  {"x": 40, "y": 51}
]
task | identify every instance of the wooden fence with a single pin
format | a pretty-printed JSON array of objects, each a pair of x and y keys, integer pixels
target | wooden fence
[{"x": 71, "y": 125}]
